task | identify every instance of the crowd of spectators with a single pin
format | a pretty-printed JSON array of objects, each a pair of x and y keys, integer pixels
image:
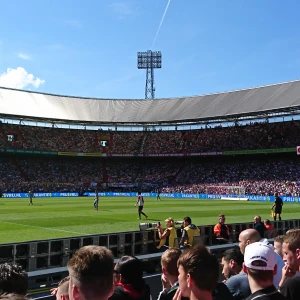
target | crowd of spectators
[
  {"x": 46, "y": 174},
  {"x": 262, "y": 135},
  {"x": 126, "y": 142},
  {"x": 255, "y": 176},
  {"x": 64, "y": 174}
]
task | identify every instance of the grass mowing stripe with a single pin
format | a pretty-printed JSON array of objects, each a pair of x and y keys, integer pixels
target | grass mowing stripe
[{"x": 44, "y": 228}]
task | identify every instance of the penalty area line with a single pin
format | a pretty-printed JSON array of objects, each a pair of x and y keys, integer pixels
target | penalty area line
[{"x": 45, "y": 228}]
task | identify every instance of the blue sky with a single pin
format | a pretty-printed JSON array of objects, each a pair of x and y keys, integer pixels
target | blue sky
[{"x": 88, "y": 48}]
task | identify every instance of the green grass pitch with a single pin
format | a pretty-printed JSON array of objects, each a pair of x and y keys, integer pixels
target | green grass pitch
[{"x": 52, "y": 218}]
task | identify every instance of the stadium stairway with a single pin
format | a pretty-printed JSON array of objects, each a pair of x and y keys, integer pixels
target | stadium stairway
[
  {"x": 177, "y": 173},
  {"x": 16, "y": 164},
  {"x": 142, "y": 143},
  {"x": 104, "y": 171},
  {"x": 21, "y": 138}
]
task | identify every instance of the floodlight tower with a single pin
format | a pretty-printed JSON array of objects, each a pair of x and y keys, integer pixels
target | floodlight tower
[{"x": 149, "y": 60}]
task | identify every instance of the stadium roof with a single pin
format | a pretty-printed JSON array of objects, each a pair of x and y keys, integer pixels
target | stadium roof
[{"x": 283, "y": 98}]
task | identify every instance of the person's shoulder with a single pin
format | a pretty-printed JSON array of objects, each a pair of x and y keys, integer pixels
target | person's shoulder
[
  {"x": 237, "y": 278},
  {"x": 292, "y": 282},
  {"x": 279, "y": 261},
  {"x": 118, "y": 294},
  {"x": 221, "y": 292}
]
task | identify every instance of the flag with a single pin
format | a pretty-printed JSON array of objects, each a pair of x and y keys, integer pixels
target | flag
[
  {"x": 298, "y": 150},
  {"x": 272, "y": 214}
]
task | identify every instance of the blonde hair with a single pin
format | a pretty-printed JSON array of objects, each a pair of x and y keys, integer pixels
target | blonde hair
[{"x": 171, "y": 220}]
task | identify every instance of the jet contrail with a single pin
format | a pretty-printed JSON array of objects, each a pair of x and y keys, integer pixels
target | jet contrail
[{"x": 161, "y": 21}]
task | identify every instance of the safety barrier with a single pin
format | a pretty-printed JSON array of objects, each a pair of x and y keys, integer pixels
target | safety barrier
[{"x": 55, "y": 253}]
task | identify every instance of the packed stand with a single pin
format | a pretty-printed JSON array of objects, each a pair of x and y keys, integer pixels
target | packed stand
[
  {"x": 120, "y": 171},
  {"x": 163, "y": 142},
  {"x": 252, "y": 136},
  {"x": 258, "y": 177},
  {"x": 126, "y": 142}
]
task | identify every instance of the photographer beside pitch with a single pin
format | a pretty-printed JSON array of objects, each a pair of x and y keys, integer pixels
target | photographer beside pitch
[
  {"x": 189, "y": 231},
  {"x": 167, "y": 237}
]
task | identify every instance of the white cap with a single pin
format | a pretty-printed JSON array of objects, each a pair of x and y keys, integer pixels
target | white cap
[{"x": 259, "y": 252}]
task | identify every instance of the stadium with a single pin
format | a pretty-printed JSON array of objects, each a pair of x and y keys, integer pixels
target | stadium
[
  {"x": 204, "y": 154},
  {"x": 123, "y": 180}
]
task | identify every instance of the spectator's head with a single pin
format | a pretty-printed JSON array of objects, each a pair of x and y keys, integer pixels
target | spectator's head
[
  {"x": 13, "y": 279},
  {"x": 130, "y": 270},
  {"x": 91, "y": 273},
  {"x": 267, "y": 222},
  {"x": 198, "y": 272},
  {"x": 12, "y": 296},
  {"x": 63, "y": 289},
  {"x": 232, "y": 262},
  {"x": 169, "y": 263},
  {"x": 187, "y": 221},
  {"x": 257, "y": 219},
  {"x": 247, "y": 237},
  {"x": 222, "y": 219},
  {"x": 260, "y": 264},
  {"x": 291, "y": 250},
  {"x": 278, "y": 240},
  {"x": 169, "y": 222},
  {"x": 292, "y": 230}
]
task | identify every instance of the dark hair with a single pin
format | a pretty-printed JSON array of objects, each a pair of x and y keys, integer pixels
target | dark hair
[
  {"x": 292, "y": 238},
  {"x": 188, "y": 219},
  {"x": 235, "y": 254},
  {"x": 202, "y": 266},
  {"x": 13, "y": 279},
  {"x": 131, "y": 269},
  {"x": 260, "y": 275}
]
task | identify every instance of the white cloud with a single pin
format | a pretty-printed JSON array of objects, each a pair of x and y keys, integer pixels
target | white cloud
[
  {"x": 24, "y": 56},
  {"x": 122, "y": 9},
  {"x": 19, "y": 78}
]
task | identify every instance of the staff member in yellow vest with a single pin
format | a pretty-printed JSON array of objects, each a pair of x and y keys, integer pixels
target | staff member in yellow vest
[
  {"x": 167, "y": 236},
  {"x": 189, "y": 231}
]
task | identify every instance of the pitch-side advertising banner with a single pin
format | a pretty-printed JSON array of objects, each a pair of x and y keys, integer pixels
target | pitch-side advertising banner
[{"x": 151, "y": 195}]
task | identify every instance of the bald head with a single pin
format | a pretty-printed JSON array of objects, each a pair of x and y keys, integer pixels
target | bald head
[{"x": 247, "y": 237}]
